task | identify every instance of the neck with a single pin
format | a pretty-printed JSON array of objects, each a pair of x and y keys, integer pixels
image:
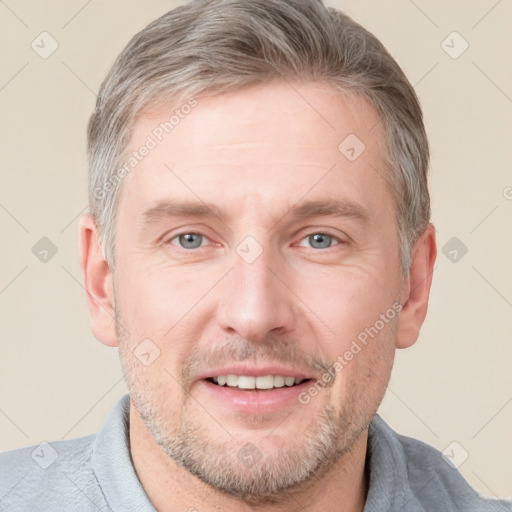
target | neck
[{"x": 171, "y": 487}]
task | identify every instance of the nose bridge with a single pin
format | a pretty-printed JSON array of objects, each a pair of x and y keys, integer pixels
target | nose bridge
[
  {"x": 253, "y": 302},
  {"x": 257, "y": 280}
]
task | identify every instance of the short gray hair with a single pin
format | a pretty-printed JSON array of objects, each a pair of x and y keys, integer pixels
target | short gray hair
[{"x": 217, "y": 46}]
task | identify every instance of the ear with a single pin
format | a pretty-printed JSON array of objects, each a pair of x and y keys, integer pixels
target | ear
[
  {"x": 416, "y": 288},
  {"x": 98, "y": 283}
]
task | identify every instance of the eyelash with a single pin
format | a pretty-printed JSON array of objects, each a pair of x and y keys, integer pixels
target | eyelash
[
  {"x": 336, "y": 239},
  {"x": 177, "y": 236}
]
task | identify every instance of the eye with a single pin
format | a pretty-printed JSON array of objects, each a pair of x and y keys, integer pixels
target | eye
[
  {"x": 319, "y": 241},
  {"x": 189, "y": 240}
]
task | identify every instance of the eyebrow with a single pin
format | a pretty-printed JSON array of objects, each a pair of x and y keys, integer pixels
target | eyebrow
[
  {"x": 168, "y": 209},
  {"x": 199, "y": 209},
  {"x": 330, "y": 208}
]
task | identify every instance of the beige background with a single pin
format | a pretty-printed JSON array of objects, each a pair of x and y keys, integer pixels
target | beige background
[{"x": 58, "y": 382}]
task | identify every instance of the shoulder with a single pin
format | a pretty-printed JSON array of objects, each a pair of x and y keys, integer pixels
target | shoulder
[
  {"x": 432, "y": 480},
  {"x": 50, "y": 476}
]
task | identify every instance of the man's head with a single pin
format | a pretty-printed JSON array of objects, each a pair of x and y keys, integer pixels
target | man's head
[{"x": 274, "y": 230}]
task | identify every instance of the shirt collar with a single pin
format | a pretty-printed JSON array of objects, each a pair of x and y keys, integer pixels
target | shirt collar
[
  {"x": 113, "y": 465},
  {"x": 389, "y": 487}
]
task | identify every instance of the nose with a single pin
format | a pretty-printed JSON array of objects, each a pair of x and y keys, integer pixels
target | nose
[{"x": 255, "y": 301}]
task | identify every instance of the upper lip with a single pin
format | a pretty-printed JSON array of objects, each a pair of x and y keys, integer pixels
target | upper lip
[{"x": 254, "y": 371}]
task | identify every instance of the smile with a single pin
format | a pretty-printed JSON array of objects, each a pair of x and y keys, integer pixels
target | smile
[{"x": 265, "y": 382}]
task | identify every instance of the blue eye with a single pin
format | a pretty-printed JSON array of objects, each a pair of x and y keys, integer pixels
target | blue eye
[
  {"x": 189, "y": 240},
  {"x": 319, "y": 241}
]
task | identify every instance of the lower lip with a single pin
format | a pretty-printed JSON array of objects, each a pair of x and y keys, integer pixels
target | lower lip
[{"x": 254, "y": 401}]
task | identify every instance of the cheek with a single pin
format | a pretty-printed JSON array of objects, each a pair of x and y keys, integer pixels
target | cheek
[
  {"x": 345, "y": 302},
  {"x": 169, "y": 307},
  {"x": 365, "y": 370},
  {"x": 152, "y": 371},
  {"x": 156, "y": 298},
  {"x": 352, "y": 334},
  {"x": 154, "y": 388}
]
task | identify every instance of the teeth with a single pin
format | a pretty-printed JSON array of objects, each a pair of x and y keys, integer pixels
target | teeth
[
  {"x": 266, "y": 382},
  {"x": 278, "y": 381},
  {"x": 250, "y": 382},
  {"x": 246, "y": 382},
  {"x": 232, "y": 380},
  {"x": 289, "y": 381}
]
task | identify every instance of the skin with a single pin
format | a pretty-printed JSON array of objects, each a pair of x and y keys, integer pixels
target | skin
[{"x": 255, "y": 155}]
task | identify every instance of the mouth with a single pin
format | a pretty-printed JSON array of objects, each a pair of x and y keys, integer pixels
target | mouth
[
  {"x": 253, "y": 389},
  {"x": 256, "y": 383}
]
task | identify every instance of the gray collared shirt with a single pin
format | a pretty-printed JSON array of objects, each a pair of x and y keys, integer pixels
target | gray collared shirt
[{"x": 96, "y": 473}]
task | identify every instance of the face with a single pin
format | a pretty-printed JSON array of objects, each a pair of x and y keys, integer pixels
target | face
[{"x": 257, "y": 284}]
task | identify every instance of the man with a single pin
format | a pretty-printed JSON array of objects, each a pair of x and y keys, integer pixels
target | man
[{"x": 257, "y": 248}]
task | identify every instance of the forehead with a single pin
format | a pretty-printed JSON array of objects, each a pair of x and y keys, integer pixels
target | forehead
[{"x": 266, "y": 144}]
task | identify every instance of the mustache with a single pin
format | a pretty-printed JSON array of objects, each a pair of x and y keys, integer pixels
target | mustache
[{"x": 274, "y": 350}]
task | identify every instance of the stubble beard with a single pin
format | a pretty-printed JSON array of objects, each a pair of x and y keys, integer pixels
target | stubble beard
[{"x": 272, "y": 474}]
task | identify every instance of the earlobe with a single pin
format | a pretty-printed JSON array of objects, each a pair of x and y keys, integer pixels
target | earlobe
[
  {"x": 98, "y": 283},
  {"x": 416, "y": 288}
]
